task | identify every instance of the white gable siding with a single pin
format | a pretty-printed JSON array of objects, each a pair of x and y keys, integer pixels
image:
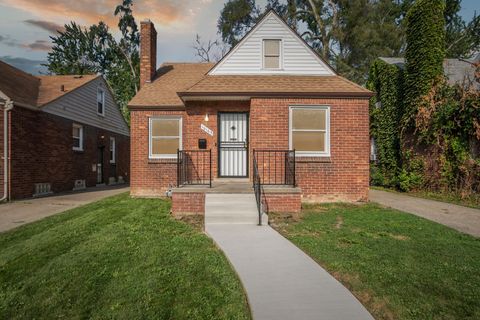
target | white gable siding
[
  {"x": 247, "y": 57},
  {"x": 81, "y": 105}
]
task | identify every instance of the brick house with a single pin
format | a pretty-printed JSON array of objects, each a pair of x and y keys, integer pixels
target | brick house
[
  {"x": 271, "y": 112},
  {"x": 60, "y": 133}
]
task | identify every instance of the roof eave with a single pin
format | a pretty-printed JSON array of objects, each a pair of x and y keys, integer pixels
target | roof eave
[
  {"x": 139, "y": 107},
  {"x": 189, "y": 95}
]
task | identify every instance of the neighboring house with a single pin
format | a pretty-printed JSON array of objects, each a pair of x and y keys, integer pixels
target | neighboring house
[
  {"x": 457, "y": 71},
  {"x": 270, "y": 108},
  {"x": 63, "y": 133}
]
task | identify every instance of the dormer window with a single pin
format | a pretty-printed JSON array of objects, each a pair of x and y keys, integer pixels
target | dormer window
[
  {"x": 101, "y": 101},
  {"x": 271, "y": 54}
]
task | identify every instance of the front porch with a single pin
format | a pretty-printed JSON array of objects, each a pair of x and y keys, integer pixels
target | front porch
[{"x": 272, "y": 183}]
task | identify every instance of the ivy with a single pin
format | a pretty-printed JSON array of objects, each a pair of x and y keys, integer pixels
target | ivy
[
  {"x": 425, "y": 51},
  {"x": 386, "y": 80}
]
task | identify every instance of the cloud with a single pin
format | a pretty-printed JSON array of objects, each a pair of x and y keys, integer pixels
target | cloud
[
  {"x": 6, "y": 40},
  {"x": 34, "y": 67},
  {"x": 46, "y": 25},
  {"x": 92, "y": 11},
  {"x": 38, "y": 45}
]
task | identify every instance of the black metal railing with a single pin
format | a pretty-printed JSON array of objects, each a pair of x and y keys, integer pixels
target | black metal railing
[
  {"x": 257, "y": 188},
  {"x": 194, "y": 167},
  {"x": 276, "y": 167}
]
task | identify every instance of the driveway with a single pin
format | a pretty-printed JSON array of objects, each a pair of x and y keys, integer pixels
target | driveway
[
  {"x": 461, "y": 218},
  {"x": 17, "y": 213}
]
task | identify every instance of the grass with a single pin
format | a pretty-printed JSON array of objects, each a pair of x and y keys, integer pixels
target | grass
[
  {"x": 472, "y": 201},
  {"x": 119, "y": 258},
  {"x": 399, "y": 266}
]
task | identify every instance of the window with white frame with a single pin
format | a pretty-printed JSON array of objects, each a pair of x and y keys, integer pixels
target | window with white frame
[
  {"x": 112, "y": 150},
  {"x": 271, "y": 53},
  {"x": 165, "y": 136},
  {"x": 310, "y": 130},
  {"x": 101, "y": 101},
  {"x": 77, "y": 136}
]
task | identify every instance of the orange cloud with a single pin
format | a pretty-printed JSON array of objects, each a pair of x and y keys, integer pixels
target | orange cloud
[{"x": 92, "y": 11}]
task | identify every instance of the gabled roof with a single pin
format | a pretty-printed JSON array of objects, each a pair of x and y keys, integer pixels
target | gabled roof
[
  {"x": 19, "y": 86},
  {"x": 50, "y": 86},
  {"x": 31, "y": 91},
  {"x": 272, "y": 26},
  {"x": 457, "y": 71},
  {"x": 176, "y": 81}
]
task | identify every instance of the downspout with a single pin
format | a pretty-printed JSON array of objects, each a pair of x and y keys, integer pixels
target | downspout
[{"x": 8, "y": 105}]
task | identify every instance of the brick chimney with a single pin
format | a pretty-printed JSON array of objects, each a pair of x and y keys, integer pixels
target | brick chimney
[{"x": 148, "y": 51}]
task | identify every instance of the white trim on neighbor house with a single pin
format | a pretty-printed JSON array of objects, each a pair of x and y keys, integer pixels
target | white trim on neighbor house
[
  {"x": 80, "y": 137},
  {"x": 102, "y": 91},
  {"x": 280, "y": 54},
  {"x": 113, "y": 150},
  {"x": 325, "y": 153},
  {"x": 150, "y": 137}
]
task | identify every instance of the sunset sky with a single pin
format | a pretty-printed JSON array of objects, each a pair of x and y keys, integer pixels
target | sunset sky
[{"x": 25, "y": 25}]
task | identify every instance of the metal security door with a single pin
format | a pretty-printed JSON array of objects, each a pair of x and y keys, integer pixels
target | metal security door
[{"x": 233, "y": 144}]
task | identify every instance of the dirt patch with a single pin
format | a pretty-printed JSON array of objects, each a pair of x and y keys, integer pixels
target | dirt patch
[
  {"x": 197, "y": 221},
  {"x": 339, "y": 223}
]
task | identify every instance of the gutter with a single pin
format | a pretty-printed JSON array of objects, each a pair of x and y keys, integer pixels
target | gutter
[{"x": 7, "y": 106}]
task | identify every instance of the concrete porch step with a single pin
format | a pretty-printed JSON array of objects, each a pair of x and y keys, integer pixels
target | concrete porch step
[{"x": 231, "y": 208}]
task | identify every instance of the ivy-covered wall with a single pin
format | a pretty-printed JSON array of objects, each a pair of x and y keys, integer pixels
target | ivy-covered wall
[
  {"x": 427, "y": 132},
  {"x": 386, "y": 110},
  {"x": 425, "y": 51}
]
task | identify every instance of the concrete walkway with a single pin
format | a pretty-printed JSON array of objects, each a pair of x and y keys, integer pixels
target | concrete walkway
[
  {"x": 281, "y": 281},
  {"x": 17, "y": 213},
  {"x": 461, "y": 218}
]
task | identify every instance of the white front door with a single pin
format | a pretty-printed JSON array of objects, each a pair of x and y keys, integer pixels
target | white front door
[{"x": 233, "y": 144}]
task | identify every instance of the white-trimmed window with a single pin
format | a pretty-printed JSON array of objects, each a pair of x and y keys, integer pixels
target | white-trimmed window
[
  {"x": 101, "y": 101},
  {"x": 165, "y": 137},
  {"x": 113, "y": 150},
  {"x": 272, "y": 53},
  {"x": 310, "y": 130},
  {"x": 77, "y": 136}
]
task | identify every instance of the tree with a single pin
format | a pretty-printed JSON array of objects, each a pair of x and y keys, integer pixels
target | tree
[
  {"x": 211, "y": 51},
  {"x": 236, "y": 18},
  {"x": 94, "y": 50}
]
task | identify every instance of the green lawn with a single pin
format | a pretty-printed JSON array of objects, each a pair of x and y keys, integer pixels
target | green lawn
[
  {"x": 400, "y": 266},
  {"x": 119, "y": 258}
]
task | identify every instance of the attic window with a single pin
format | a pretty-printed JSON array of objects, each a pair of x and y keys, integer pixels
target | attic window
[
  {"x": 101, "y": 101},
  {"x": 271, "y": 54}
]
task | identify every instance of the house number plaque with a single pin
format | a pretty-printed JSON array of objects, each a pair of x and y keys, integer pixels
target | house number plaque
[{"x": 206, "y": 129}]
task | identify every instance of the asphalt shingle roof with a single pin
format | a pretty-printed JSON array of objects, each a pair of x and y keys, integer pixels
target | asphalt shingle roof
[
  {"x": 26, "y": 89},
  {"x": 176, "y": 80}
]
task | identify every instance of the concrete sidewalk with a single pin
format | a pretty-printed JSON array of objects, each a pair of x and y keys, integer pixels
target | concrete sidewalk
[
  {"x": 281, "y": 281},
  {"x": 461, "y": 218},
  {"x": 17, "y": 213}
]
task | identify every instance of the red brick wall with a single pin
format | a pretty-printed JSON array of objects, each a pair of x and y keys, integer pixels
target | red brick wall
[
  {"x": 152, "y": 177},
  {"x": 342, "y": 176},
  {"x": 148, "y": 51},
  {"x": 282, "y": 202},
  {"x": 345, "y": 174},
  {"x": 41, "y": 147},
  {"x": 188, "y": 203}
]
